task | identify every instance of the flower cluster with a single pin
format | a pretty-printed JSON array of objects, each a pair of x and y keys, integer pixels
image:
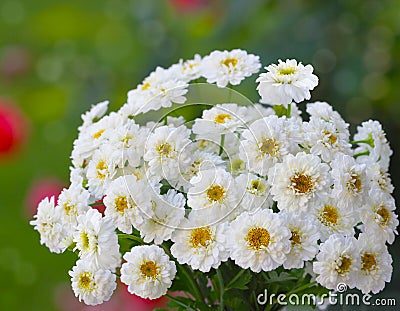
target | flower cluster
[{"x": 256, "y": 185}]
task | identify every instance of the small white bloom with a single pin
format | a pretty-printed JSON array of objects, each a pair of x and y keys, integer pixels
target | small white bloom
[
  {"x": 90, "y": 285},
  {"x": 286, "y": 82},
  {"x": 259, "y": 241},
  {"x": 304, "y": 238},
  {"x": 188, "y": 70},
  {"x": 95, "y": 113},
  {"x": 199, "y": 244},
  {"x": 148, "y": 272},
  {"x": 97, "y": 241},
  {"x": 232, "y": 67},
  {"x": 379, "y": 179},
  {"x": 73, "y": 201},
  {"x": 299, "y": 181},
  {"x": 255, "y": 192},
  {"x": 376, "y": 264},
  {"x": 337, "y": 262},
  {"x": 325, "y": 112},
  {"x": 49, "y": 223}
]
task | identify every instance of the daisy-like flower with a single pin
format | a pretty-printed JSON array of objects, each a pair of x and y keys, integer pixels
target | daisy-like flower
[
  {"x": 325, "y": 112},
  {"x": 259, "y": 241},
  {"x": 165, "y": 150},
  {"x": 379, "y": 179},
  {"x": 255, "y": 192},
  {"x": 188, "y": 70},
  {"x": 264, "y": 144},
  {"x": 49, "y": 223},
  {"x": 200, "y": 245},
  {"x": 337, "y": 262},
  {"x": 93, "y": 115},
  {"x": 223, "y": 67},
  {"x": 299, "y": 181},
  {"x": 304, "y": 238},
  {"x": 350, "y": 183},
  {"x": 73, "y": 201},
  {"x": 213, "y": 191},
  {"x": 373, "y": 145},
  {"x": 378, "y": 216},
  {"x": 333, "y": 218},
  {"x": 128, "y": 202},
  {"x": 221, "y": 119},
  {"x": 148, "y": 271},
  {"x": 92, "y": 286},
  {"x": 286, "y": 82},
  {"x": 168, "y": 211},
  {"x": 97, "y": 241},
  {"x": 376, "y": 264}
]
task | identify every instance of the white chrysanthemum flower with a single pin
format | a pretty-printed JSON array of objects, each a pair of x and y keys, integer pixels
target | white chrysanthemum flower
[
  {"x": 221, "y": 119},
  {"x": 350, "y": 183},
  {"x": 213, "y": 191},
  {"x": 199, "y": 244},
  {"x": 128, "y": 202},
  {"x": 95, "y": 113},
  {"x": 232, "y": 67},
  {"x": 188, "y": 70},
  {"x": 337, "y": 262},
  {"x": 299, "y": 181},
  {"x": 168, "y": 211},
  {"x": 165, "y": 150},
  {"x": 73, "y": 201},
  {"x": 101, "y": 171},
  {"x": 49, "y": 223},
  {"x": 376, "y": 264},
  {"x": 258, "y": 111},
  {"x": 325, "y": 140},
  {"x": 92, "y": 286},
  {"x": 259, "y": 241},
  {"x": 286, "y": 82},
  {"x": 379, "y": 217},
  {"x": 160, "y": 89},
  {"x": 148, "y": 271},
  {"x": 304, "y": 239},
  {"x": 325, "y": 112},
  {"x": 333, "y": 218},
  {"x": 264, "y": 143},
  {"x": 379, "y": 179},
  {"x": 97, "y": 241},
  {"x": 373, "y": 146},
  {"x": 255, "y": 192}
]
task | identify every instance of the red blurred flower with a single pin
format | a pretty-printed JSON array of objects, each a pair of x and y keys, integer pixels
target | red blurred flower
[
  {"x": 188, "y": 5},
  {"x": 13, "y": 129}
]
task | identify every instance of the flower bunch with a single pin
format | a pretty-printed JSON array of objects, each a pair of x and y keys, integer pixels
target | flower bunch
[{"x": 218, "y": 198}]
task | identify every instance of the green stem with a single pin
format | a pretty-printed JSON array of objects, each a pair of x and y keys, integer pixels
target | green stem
[
  {"x": 289, "y": 110},
  {"x": 361, "y": 154},
  {"x": 235, "y": 278},
  {"x": 221, "y": 289},
  {"x": 221, "y": 145},
  {"x": 196, "y": 289},
  {"x": 299, "y": 289},
  {"x": 180, "y": 303}
]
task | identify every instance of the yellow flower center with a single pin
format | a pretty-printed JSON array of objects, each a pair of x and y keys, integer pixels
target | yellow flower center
[
  {"x": 384, "y": 215},
  {"x": 85, "y": 281},
  {"x": 98, "y": 134},
  {"x": 296, "y": 237},
  {"x": 368, "y": 262},
  {"x": 354, "y": 184},
  {"x": 237, "y": 165},
  {"x": 331, "y": 138},
  {"x": 101, "y": 169},
  {"x": 215, "y": 193},
  {"x": 302, "y": 183},
  {"x": 145, "y": 86},
  {"x": 149, "y": 269},
  {"x": 287, "y": 71},
  {"x": 258, "y": 237},
  {"x": 121, "y": 204},
  {"x": 230, "y": 61},
  {"x": 329, "y": 216},
  {"x": 199, "y": 237},
  {"x": 164, "y": 149},
  {"x": 85, "y": 241},
  {"x": 269, "y": 146},
  {"x": 222, "y": 117},
  {"x": 256, "y": 187},
  {"x": 70, "y": 209},
  {"x": 344, "y": 266}
]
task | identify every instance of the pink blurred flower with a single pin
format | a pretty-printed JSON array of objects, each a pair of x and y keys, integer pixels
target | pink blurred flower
[{"x": 188, "y": 5}]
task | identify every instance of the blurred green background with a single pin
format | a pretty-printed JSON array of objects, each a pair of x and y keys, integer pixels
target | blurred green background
[{"x": 59, "y": 57}]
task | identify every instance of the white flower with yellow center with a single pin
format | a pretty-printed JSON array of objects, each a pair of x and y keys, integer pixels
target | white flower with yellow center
[
  {"x": 350, "y": 183},
  {"x": 90, "y": 285},
  {"x": 148, "y": 271},
  {"x": 286, "y": 82},
  {"x": 325, "y": 112},
  {"x": 97, "y": 241},
  {"x": 333, "y": 218},
  {"x": 264, "y": 143},
  {"x": 221, "y": 119},
  {"x": 304, "y": 239},
  {"x": 376, "y": 264},
  {"x": 379, "y": 179},
  {"x": 223, "y": 67},
  {"x": 73, "y": 201},
  {"x": 255, "y": 192},
  {"x": 213, "y": 192},
  {"x": 259, "y": 241},
  {"x": 379, "y": 217},
  {"x": 299, "y": 181},
  {"x": 165, "y": 150},
  {"x": 49, "y": 223},
  {"x": 199, "y": 244},
  {"x": 188, "y": 70},
  {"x": 337, "y": 262},
  {"x": 128, "y": 202},
  {"x": 93, "y": 115},
  {"x": 168, "y": 211}
]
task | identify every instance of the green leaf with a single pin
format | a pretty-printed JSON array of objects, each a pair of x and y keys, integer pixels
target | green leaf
[
  {"x": 280, "y": 110},
  {"x": 240, "y": 280}
]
